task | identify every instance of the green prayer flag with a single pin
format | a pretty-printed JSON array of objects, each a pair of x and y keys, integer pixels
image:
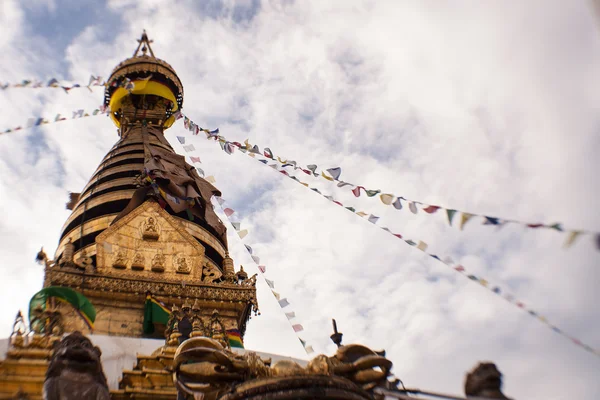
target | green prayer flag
[
  {"x": 450, "y": 215},
  {"x": 154, "y": 313}
]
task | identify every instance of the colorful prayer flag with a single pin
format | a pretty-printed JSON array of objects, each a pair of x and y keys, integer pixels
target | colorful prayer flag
[
  {"x": 284, "y": 303},
  {"x": 335, "y": 172}
]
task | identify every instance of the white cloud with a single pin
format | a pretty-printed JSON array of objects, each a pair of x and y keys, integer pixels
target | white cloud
[{"x": 491, "y": 109}]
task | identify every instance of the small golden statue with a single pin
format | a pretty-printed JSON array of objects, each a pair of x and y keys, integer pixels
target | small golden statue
[
  {"x": 121, "y": 260},
  {"x": 150, "y": 229},
  {"x": 182, "y": 265},
  {"x": 138, "y": 262},
  {"x": 158, "y": 263}
]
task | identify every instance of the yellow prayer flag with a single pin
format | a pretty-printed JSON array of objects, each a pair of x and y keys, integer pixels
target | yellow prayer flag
[
  {"x": 277, "y": 296},
  {"x": 422, "y": 245},
  {"x": 326, "y": 177},
  {"x": 211, "y": 179},
  {"x": 250, "y": 154},
  {"x": 464, "y": 218},
  {"x": 483, "y": 282},
  {"x": 242, "y": 234},
  {"x": 571, "y": 238},
  {"x": 361, "y": 214},
  {"x": 387, "y": 199}
]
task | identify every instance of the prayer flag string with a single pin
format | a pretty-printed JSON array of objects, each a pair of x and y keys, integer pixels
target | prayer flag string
[
  {"x": 283, "y": 302},
  {"x": 38, "y": 121},
  {"x": 252, "y": 151},
  {"x": 54, "y": 83},
  {"x": 333, "y": 175}
]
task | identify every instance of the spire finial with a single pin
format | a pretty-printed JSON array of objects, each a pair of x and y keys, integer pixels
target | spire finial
[
  {"x": 337, "y": 336},
  {"x": 144, "y": 43}
]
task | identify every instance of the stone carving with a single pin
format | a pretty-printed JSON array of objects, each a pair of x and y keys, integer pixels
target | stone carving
[
  {"x": 150, "y": 230},
  {"x": 138, "y": 262},
  {"x": 181, "y": 265},
  {"x": 120, "y": 261},
  {"x": 75, "y": 371},
  {"x": 158, "y": 263},
  {"x": 210, "y": 273},
  {"x": 484, "y": 381}
]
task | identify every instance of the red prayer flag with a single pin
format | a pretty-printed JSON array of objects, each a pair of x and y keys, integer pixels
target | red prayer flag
[
  {"x": 459, "y": 268},
  {"x": 196, "y": 160},
  {"x": 297, "y": 328},
  {"x": 431, "y": 209},
  {"x": 228, "y": 212},
  {"x": 356, "y": 190}
]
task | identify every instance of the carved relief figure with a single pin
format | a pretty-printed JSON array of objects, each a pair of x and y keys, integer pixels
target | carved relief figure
[
  {"x": 181, "y": 265},
  {"x": 75, "y": 371},
  {"x": 138, "y": 262},
  {"x": 150, "y": 229},
  {"x": 210, "y": 273},
  {"x": 158, "y": 263},
  {"x": 120, "y": 260}
]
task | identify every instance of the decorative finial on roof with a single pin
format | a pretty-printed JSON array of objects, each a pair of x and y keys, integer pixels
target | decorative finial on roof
[
  {"x": 144, "y": 43},
  {"x": 337, "y": 336}
]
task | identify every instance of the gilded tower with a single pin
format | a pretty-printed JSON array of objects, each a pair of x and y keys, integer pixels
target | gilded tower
[{"x": 144, "y": 223}]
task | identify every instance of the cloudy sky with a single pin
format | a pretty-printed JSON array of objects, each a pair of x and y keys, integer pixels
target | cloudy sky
[{"x": 487, "y": 107}]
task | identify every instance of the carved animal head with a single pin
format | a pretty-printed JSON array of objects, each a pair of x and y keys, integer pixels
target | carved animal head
[
  {"x": 76, "y": 352},
  {"x": 484, "y": 380}
]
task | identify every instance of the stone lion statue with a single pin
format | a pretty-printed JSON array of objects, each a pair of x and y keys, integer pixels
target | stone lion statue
[
  {"x": 75, "y": 371},
  {"x": 484, "y": 381}
]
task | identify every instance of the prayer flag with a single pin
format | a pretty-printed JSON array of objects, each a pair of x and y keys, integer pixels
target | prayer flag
[
  {"x": 422, "y": 246},
  {"x": 189, "y": 147},
  {"x": 195, "y": 159},
  {"x": 235, "y": 338},
  {"x": 342, "y": 184},
  {"x": 290, "y": 315},
  {"x": 181, "y": 139},
  {"x": 242, "y": 234},
  {"x": 571, "y": 238},
  {"x": 356, "y": 190},
  {"x": 284, "y": 303},
  {"x": 459, "y": 268},
  {"x": 464, "y": 218},
  {"x": 431, "y": 209},
  {"x": 262, "y": 268},
  {"x": 297, "y": 328},
  {"x": 412, "y": 207},
  {"x": 373, "y": 219},
  {"x": 228, "y": 211},
  {"x": 309, "y": 349},
  {"x": 277, "y": 296},
  {"x": 200, "y": 171},
  {"x": 450, "y": 214},
  {"x": 371, "y": 193},
  {"x": 256, "y": 259},
  {"x": 313, "y": 168},
  {"x": 236, "y": 225},
  {"x": 335, "y": 172},
  {"x": 248, "y": 248},
  {"x": 387, "y": 199},
  {"x": 491, "y": 221},
  {"x": 268, "y": 153},
  {"x": 326, "y": 177},
  {"x": 270, "y": 283},
  {"x": 398, "y": 204}
]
